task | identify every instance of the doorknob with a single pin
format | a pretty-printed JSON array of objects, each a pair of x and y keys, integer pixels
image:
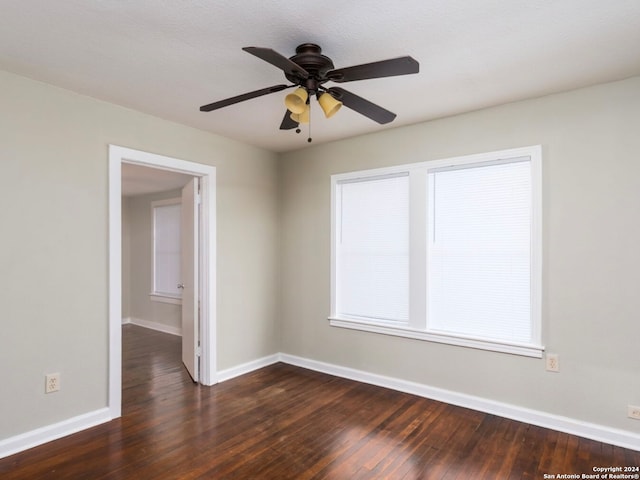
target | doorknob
[{"x": 181, "y": 285}]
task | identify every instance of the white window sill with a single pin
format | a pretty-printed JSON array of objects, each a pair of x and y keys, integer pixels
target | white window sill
[
  {"x": 389, "y": 328},
  {"x": 156, "y": 297}
]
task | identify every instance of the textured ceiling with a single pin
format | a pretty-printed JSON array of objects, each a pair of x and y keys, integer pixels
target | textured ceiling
[{"x": 167, "y": 58}]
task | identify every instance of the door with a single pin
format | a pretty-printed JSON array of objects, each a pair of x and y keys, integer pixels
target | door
[{"x": 190, "y": 288}]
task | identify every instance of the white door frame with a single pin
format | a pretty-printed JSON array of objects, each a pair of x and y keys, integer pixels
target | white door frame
[{"x": 207, "y": 174}]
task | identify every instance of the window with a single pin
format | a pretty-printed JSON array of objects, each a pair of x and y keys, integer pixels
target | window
[
  {"x": 373, "y": 248},
  {"x": 479, "y": 248},
  {"x": 446, "y": 251},
  {"x": 166, "y": 250}
]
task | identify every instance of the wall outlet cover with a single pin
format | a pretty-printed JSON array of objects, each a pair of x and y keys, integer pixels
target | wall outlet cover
[
  {"x": 52, "y": 383},
  {"x": 553, "y": 362}
]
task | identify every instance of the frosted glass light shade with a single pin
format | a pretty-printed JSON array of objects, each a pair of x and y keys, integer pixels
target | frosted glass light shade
[
  {"x": 296, "y": 101},
  {"x": 301, "y": 117},
  {"x": 329, "y": 105}
]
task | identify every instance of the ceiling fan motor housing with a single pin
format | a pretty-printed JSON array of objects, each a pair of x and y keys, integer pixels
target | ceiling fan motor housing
[{"x": 309, "y": 56}]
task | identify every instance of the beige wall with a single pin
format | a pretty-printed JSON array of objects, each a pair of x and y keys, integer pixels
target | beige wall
[
  {"x": 140, "y": 227},
  {"x": 54, "y": 260},
  {"x": 273, "y": 250},
  {"x": 591, "y": 272}
]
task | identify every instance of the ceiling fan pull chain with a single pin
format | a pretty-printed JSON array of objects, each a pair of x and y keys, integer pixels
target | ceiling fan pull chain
[{"x": 309, "y": 138}]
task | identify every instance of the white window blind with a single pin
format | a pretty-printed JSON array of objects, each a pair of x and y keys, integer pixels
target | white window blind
[
  {"x": 372, "y": 248},
  {"x": 479, "y": 250},
  {"x": 166, "y": 241}
]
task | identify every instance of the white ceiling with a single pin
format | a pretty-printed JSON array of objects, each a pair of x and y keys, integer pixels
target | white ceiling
[{"x": 168, "y": 58}]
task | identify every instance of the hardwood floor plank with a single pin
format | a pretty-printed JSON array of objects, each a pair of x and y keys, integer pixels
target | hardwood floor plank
[{"x": 284, "y": 422}]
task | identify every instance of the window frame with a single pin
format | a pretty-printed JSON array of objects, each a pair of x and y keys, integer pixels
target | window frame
[
  {"x": 155, "y": 295},
  {"x": 417, "y": 326}
]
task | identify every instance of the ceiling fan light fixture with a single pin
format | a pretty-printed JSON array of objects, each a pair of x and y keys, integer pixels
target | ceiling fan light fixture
[
  {"x": 329, "y": 104},
  {"x": 296, "y": 102},
  {"x": 307, "y": 71},
  {"x": 301, "y": 117}
]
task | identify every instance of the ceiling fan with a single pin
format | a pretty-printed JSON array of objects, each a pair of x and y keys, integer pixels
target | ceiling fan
[{"x": 309, "y": 70}]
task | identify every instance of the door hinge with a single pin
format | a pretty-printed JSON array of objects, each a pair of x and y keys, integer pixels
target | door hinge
[{"x": 198, "y": 351}]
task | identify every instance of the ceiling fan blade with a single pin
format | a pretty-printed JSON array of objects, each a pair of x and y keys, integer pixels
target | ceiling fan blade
[
  {"x": 243, "y": 97},
  {"x": 287, "y": 122},
  {"x": 362, "y": 106},
  {"x": 384, "y": 68},
  {"x": 274, "y": 58}
]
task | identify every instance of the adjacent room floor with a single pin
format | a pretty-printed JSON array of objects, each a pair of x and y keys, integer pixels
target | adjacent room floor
[{"x": 284, "y": 422}]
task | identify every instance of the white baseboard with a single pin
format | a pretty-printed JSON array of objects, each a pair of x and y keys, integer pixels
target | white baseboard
[
  {"x": 621, "y": 438},
  {"x": 24, "y": 441},
  {"x": 248, "y": 367},
  {"x": 160, "y": 327},
  {"x": 592, "y": 431}
]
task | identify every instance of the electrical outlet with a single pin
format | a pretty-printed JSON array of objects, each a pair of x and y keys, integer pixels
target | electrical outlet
[
  {"x": 634, "y": 412},
  {"x": 553, "y": 362},
  {"x": 52, "y": 383}
]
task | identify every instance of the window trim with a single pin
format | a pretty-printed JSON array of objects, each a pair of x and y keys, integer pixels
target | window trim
[
  {"x": 417, "y": 326},
  {"x": 154, "y": 295}
]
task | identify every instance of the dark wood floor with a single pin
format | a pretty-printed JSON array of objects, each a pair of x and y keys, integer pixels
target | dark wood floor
[{"x": 284, "y": 422}]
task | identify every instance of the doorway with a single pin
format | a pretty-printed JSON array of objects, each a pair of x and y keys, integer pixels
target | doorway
[
  {"x": 160, "y": 255},
  {"x": 119, "y": 156}
]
